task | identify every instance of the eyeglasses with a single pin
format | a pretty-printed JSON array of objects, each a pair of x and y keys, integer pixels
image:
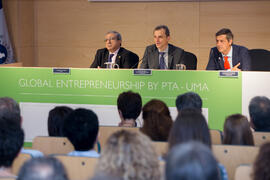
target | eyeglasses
[{"x": 110, "y": 39}]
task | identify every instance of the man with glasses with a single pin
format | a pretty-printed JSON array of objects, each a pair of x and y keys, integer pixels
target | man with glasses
[{"x": 114, "y": 53}]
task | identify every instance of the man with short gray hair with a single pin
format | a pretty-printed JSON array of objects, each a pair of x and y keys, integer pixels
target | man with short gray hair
[{"x": 114, "y": 53}]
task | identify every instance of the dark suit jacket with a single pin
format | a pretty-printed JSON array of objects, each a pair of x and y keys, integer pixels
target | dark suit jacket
[
  {"x": 125, "y": 58},
  {"x": 151, "y": 57},
  {"x": 240, "y": 54}
]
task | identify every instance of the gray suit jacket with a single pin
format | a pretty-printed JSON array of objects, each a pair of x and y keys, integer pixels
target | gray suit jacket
[
  {"x": 151, "y": 57},
  {"x": 240, "y": 55}
]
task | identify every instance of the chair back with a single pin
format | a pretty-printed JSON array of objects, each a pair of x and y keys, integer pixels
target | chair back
[
  {"x": 243, "y": 172},
  {"x": 78, "y": 168},
  {"x": 52, "y": 145},
  {"x": 190, "y": 61},
  {"x": 260, "y": 59},
  {"x": 106, "y": 131},
  {"x": 231, "y": 156},
  {"x": 19, "y": 161},
  {"x": 261, "y": 138},
  {"x": 216, "y": 136}
]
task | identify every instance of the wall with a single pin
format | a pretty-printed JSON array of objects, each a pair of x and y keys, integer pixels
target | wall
[{"x": 67, "y": 33}]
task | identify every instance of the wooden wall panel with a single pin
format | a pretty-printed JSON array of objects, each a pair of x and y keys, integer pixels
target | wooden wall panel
[
  {"x": 68, "y": 32},
  {"x": 78, "y": 27}
]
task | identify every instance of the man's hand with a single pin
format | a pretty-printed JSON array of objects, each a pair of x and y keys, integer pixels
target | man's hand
[{"x": 235, "y": 68}]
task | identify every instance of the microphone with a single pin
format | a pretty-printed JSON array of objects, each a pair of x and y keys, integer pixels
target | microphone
[{"x": 135, "y": 65}]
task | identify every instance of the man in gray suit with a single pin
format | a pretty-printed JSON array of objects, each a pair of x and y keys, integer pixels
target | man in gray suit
[{"x": 162, "y": 55}]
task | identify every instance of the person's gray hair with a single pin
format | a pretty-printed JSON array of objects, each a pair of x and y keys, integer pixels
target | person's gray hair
[
  {"x": 118, "y": 35},
  {"x": 43, "y": 168}
]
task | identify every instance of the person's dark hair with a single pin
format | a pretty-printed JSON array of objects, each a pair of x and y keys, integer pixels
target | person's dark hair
[
  {"x": 56, "y": 120},
  {"x": 166, "y": 29},
  {"x": 192, "y": 161},
  {"x": 259, "y": 111},
  {"x": 130, "y": 104},
  {"x": 227, "y": 32},
  {"x": 262, "y": 163},
  {"x": 10, "y": 109},
  {"x": 42, "y": 168},
  {"x": 188, "y": 100},
  {"x": 190, "y": 125},
  {"x": 81, "y": 128},
  {"x": 157, "y": 120},
  {"x": 11, "y": 141},
  {"x": 237, "y": 131}
]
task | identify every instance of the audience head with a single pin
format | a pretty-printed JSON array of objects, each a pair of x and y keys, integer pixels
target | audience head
[
  {"x": 224, "y": 40},
  {"x": 191, "y": 161},
  {"x": 42, "y": 168},
  {"x": 11, "y": 141},
  {"x": 157, "y": 120},
  {"x": 129, "y": 105},
  {"x": 129, "y": 155},
  {"x": 189, "y": 100},
  {"x": 56, "y": 120},
  {"x": 262, "y": 163},
  {"x": 81, "y": 128},
  {"x": 190, "y": 125},
  {"x": 237, "y": 131},
  {"x": 259, "y": 111},
  {"x": 113, "y": 41},
  {"x": 10, "y": 109},
  {"x": 161, "y": 37}
]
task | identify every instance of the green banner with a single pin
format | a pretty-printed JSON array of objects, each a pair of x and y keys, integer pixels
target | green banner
[{"x": 221, "y": 96}]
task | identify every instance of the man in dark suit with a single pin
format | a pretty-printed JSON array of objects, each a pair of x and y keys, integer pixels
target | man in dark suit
[
  {"x": 162, "y": 55},
  {"x": 226, "y": 55},
  {"x": 115, "y": 53}
]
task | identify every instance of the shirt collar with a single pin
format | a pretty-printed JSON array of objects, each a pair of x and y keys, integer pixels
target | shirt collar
[
  {"x": 230, "y": 53},
  {"x": 165, "y": 50},
  {"x": 115, "y": 52}
]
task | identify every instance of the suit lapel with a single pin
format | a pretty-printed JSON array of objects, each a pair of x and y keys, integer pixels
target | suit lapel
[
  {"x": 170, "y": 56},
  {"x": 119, "y": 56},
  {"x": 234, "y": 56},
  {"x": 156, "y": 56}
]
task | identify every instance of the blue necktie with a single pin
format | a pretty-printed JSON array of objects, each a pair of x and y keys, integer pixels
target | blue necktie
[
  {"x": 110, "y": 58},
  {"x": 162, "y": 63}
]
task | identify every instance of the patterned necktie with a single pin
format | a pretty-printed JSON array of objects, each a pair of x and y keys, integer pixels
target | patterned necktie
[
  {"x": 226, "y": 63},
  {"x": 162, "y": 63},
  {"x": 110, "y": 58}
]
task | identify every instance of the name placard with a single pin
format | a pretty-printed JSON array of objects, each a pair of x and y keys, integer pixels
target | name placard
[{"x": 142, "y": 72}]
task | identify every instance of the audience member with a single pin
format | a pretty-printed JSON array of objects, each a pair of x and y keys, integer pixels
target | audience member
[
  {"x": 228, "y": 56},
  {"x": 162, "y": 55},
  {"x": 188, "y": 100},
  {"x": 237, "y": 131},
  {"x": 11, "y": 142},
  {"x": 129, "y": 155},
  {"x": 259, "y": 111},
  {"x": 114, "y": 53},
  {"x": 81, "y": 128},
  {"x": 157, "y": 120},
  {"x": 129, "y": 106},
  {"x": 190, "y": 125},
  {"x": 42, "y": 168},
  {"x": 56, "y": 120},
  {"x": 10, "y": 109},
  {"x": 262, "y": 163},
  {"x": 191, "y": 161}
]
